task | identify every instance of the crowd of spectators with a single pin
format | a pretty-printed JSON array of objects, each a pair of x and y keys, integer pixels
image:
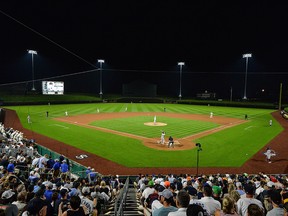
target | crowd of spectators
[
  {"x": 33, "y": 184},
  {"x": 221, "y": 194}
]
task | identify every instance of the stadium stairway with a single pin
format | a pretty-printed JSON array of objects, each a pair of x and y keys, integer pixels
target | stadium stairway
[{"x": 132, "y": 205}]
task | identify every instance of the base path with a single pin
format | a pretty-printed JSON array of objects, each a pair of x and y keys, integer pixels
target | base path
[{"x": 254, "y": 165}]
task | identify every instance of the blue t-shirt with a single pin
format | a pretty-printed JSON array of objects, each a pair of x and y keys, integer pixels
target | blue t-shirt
[
  {"x": 10, "y": 168},
  {"x": 64, "y": 168}
]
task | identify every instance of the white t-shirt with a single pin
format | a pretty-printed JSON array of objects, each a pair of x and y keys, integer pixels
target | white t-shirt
[
  {"x": 243, "y": 203},
  {"x": 147, "y": 192},
  {"x": 208, "y": 203}
]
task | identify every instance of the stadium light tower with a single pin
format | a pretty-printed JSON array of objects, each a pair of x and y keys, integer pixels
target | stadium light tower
[
  {"x": 181, "y": 64},
  {"x": 247, "y": 56},
  {"x": 101, "y": 61},
  {"x": 32, "y": 52}
]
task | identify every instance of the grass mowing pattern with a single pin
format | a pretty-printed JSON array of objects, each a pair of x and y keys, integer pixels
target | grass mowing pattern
[
  {"x": 178, "y": 128},
  {"x": 227, "y": 148}
]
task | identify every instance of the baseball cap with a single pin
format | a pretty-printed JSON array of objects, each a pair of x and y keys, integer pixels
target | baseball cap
[
  {"x": 270, "y": 184},
  {"x": 238, "y": 184},
  {"x": 194, "y": 209},
  {"x": 167, "y": 194},
  {"x": 249, "y": 189},
  {"x": 85, "y": 190},
  {"x": 159, "y": 188},
  {"x": 63, "y": 192},
  {"x": 191, "y": 190},
  {"x": 216, "y": 189},
  {"x": 151, "y": 183},
  {"x": 275, "y": 197},
  {"x": 167, "y": 184},
  {"x": 7, "y": 194}
]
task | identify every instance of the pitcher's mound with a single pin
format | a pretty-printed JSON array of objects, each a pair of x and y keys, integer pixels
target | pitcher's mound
[{"x": 155, "y": 124}]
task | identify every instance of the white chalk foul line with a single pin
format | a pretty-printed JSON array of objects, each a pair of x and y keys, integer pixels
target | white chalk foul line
[{"x": 59, "y": 126}]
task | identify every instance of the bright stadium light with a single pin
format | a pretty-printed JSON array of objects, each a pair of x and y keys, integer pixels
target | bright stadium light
[
  {"x": 247, "y": 56},
  {"x": 101, "y": 61},
  {"x": 32, "y": 52},
  {"x": 181, "y": 64}
]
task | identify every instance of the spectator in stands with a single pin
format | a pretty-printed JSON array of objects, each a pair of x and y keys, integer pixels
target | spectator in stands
[
  {"x": 166, "y": 198},
  {"x": 276, "y": 199},
  {"x": 55, "y": 197},
  {"x": 101, "y": 200},
  {"x": 153, "y": 199},
  {"x": 21, "y": 201},
  {"x": 48, "y": 192},
  {"x": 254, "y": 210},
  {"x": 75, "y": 190},
  {"x": 167, "y": 184},
  {"x": 63, "y": 199},
  {"x": 30, "y": 193},
  {"x": 88, "y": 170},
  {"x": 7, "y": 197},
  {"x": 50, "y": 162},
  {"x": 239, "y": 188},
  {"x": 42, "y": 164},
  {"x": 105, "y": 190},
  {"x": 64, "y": 167},
  {"x": 56, "y": 168},
  {"x": 208, "y": 202},
  {"x": 76, "y": 208},
  {"x": 4, "y": 161},
  {"x": 182, "y": 202},
  {"x": 228, "y": 207},
  {"x": 171, "y": 178},
  {"x": 86, "y": 201},
  {"x": 235, "y": 196},
  {"x": 195, "y": 210},
  {"x": 148, "y": 190},
  {"x": 190, "y": 189},
  {"x": 11, "y": 167},
  {"x": 35, "y": 162},
  {"x": 39, "y": 205},
  {"x": 244, "y": 202},
  {"x": 217, "y": 193}
]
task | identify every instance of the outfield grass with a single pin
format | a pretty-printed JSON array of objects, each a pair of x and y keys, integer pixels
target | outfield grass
[{"x": 228, "y": 148}]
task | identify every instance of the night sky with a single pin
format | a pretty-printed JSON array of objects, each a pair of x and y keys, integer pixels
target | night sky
[{"x": 144, "y": 41}]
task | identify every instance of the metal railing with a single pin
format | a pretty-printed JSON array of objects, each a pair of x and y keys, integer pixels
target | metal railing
[{"x": 120, "y": 202}]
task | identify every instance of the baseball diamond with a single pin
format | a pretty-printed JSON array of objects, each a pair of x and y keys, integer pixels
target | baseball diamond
[{"x": 101, "y": 159}]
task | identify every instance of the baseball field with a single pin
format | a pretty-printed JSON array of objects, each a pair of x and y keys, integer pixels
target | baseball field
[{"x": 127, "y": 135}]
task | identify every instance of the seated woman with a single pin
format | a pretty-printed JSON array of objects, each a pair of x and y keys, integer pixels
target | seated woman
[{"x": 75, "y": 209}]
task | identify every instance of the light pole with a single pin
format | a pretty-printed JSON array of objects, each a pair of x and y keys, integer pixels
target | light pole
[
  {"x": 32, "y": 52},
  {"x": 198, "y": 150},
  {"x": 247, "y": 56},
  {"x": 181, "y": 64},
  {"x": 101, "y": 61}
]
